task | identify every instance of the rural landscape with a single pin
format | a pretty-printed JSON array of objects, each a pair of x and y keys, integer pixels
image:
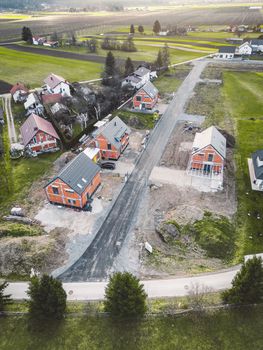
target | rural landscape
[{"x": 131, "y": 181}]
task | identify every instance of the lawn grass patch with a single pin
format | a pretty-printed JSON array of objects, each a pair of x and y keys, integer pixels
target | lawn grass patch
[
  {"x": 10, "y": 229},
  {"x": 32, "y": 68},
  {"x": 136, "y": 119},
  {"x": 170, "y": 81}
]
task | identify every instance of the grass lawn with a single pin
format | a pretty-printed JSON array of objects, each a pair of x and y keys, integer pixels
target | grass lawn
[
  {"x": 244, "y": 100},
  {"x": 136, "y": 119},
  {"x": 33, "y": 68},
  {"x": 231, "y": 329},
  {"x": 219, "y": 35}
]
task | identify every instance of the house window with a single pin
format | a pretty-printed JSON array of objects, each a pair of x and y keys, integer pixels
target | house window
[
  {"x": 34, "y": 139},
  {"x": 138, "y": 98},
  {"x": 109, "y": 146},
  {"x": 210, "y": 157},
  {"x": 55, "y": 190}
]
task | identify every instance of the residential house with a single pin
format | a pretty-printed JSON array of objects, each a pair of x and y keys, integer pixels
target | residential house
[
  {"x": 51, "y": 98},
  {"x": 19, "y": 92},
  {"x": 48, "y": 43},
  {"x": 244, "y": 49},
  {"x": 138, "y": 78},
  {"x": 38, "y": 41},
  {"x": 33, "y": 105},
  {"x": 75, "y": 184},
  {"x": 39, "y": 135},
  {"x": 112, "y": 138},
  {"x": 57, "y": 85},
  {"x": 226, "y": 52},
  {"x": 257, "y": 45},
  {"x": 256, "y": 170},
  {"x": 93, "y": 154},
  {"x": 208, "y": 154},
  {"x": 146, "y": 98}
]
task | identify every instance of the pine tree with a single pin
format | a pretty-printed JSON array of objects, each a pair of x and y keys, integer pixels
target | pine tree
[
  {"x": 54, "y": 36},
  {"x": 129, "y": 68},
  {"x": 140, "y": 29},
  {"x": 247, "y": 285},
  {"x": 132, "y": 29},
  {"x": 166, "y": 56},
  {"x": 125, "y": 296},
  {"x": 73, "y": 39},
  {"x": 110, "y": 64},
  {"x": 156, "y": 27},
  {"x": 159, "y": 60},
  {"x": 27, "y": 35},
  {"x": 47, "y": 298},
  {"x": 5, "y": 299}
]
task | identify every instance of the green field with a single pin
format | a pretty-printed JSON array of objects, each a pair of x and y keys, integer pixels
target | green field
[
  {"x": 224, "y": 330},
  {"x": 33, "y": 68}
]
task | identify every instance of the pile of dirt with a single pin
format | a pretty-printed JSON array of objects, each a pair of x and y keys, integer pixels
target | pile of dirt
[{"x": 43, "y": 253}]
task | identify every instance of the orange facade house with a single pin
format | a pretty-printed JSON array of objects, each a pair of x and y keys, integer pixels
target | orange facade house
[
  {"x": 75, "y": 184},
  {"x": 112, "y": 138},
  {"x": 146, "y": 98},
  {"x": 39, "y": 135},
  {"x": 208, "y": 153}
]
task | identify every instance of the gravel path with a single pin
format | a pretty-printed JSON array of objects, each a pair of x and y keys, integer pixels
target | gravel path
[{"x": 10, "y": 120}]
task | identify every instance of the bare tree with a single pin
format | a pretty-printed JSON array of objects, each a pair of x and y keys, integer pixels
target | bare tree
[{"x": 197, "y": 295}]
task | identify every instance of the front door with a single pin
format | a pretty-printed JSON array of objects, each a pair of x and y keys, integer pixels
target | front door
[
  {"x": 207, "y": 168},
  {"x": 143, "y": 105}
]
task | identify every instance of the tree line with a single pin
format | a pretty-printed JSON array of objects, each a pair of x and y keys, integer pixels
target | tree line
[{"x": 125, "y": 295}]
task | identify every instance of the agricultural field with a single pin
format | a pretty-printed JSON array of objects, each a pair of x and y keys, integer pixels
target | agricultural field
[
  {"x": 234, "y": 329},
  {"x": 237, "y": 108},
  {"x": 33, "y": 68}
]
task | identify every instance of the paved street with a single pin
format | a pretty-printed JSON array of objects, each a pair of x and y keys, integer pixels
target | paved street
[
  {"x": 154, "y": 288},
  {"x": 97, "y": 260}
]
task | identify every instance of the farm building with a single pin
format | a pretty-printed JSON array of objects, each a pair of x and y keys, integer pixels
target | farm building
[
  {"x": 57, "y": 85},
  {"x": 245, "y": 49},
  {"x": 257, "y": 45},
  {"x": 146, "y": 98},
  {"x": 255, "y": 165},
  {"x": 19, "y": 92},
  {"x": 39, "y": 135},
  {"x": 226, "y": 52},
  {"x": 33, "y": 105},
  {"x": 75, "y": 184},
  {"x": 208, "y": 154},
  {"x": 112, "y": 138},
  {"x": 93, "y": 154}
]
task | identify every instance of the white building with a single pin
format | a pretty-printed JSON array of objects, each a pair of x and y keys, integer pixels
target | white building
[
  {"x": 255, "y": 165},
  {"x": 226, "y": 53},
  {"x": 257, "y": 45},
  {"x": 139, "y": 78},
  {"x": 33, "y": 105},
  {"x": 245, "y": 49},
  {"x": 57, "y": 85}
]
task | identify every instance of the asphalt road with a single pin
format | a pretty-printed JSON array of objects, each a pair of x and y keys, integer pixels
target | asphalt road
[
  {"x": 154, "y": 288},
  {"x": 97, "y": 260}
]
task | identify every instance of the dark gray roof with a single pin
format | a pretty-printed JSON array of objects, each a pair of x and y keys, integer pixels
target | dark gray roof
[
  {"x": 256, "y": 42},
  {"x": 257, "y": 158},
  {"x": 113, "y": 131},
  {"x": 79, "y": 173},
  {"x": 141, "y": 71},
  {"x": 150, "y": 89},
  {"x": 227, "y": 49}
]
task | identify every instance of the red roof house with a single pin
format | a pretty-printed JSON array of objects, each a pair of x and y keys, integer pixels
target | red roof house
[
  {"x": 51, "y": 98},
  {"x": 146, "y": 98},
  {"x": 19, "y": 92},
  {"x": 39, "y": 135}
]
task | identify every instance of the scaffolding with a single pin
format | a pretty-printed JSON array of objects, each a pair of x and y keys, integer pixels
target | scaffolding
[{"x": 209, "y": 170}]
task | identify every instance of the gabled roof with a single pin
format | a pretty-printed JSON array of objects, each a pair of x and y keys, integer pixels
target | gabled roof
[
  {"x": 33, "y": 124},
  {"x": 141, "y": 71},
  {"x": 133, "y": 79},
  {"x": 31, "y": 99},
  {"x": 257, "y": 159},
  {"x": 51, "y": 98},
  {"x": 78, "y": 173},
  {"x": 18, "y": 86},
  {"x": 113, "y": 131},
  {"x": 244, "y": 44},
  {"x": 210, "y": 136},
  {"x": 227, "y": 49},
  {"x": 150, "y": 89},
  {"x": 54, "y": 80},
  {"x": 91, "y": 152},
  {"x": 256, "y": 42}
]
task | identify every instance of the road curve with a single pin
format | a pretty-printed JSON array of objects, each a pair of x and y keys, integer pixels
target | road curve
[
  {"x": 173, "y": 287},
  {"x": 96, "y": 262}
]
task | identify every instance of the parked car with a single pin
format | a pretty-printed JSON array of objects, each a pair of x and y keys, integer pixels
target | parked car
[{"x": 108, "y": 165}]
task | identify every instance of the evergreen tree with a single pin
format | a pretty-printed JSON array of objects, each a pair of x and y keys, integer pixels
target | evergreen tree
[
  {"x": 5, "y": 299},
  {"x": 73, "y": 39},
  {"x": 140, "y": 29},
  {"x": 27, "y": 35},
  {"x": 159, "y": 60},
  {"x": 125, "y": 296},
  {"x": 54, "y": 36},
  {"x": 156, "y": 27},
  {"x": 47, "y": 298},
  {"x": 129, "y": 68},
  {"x": 132, "y": 29},
  {"x": 247, "y": 285},
  {"x": 128, "y": 45},
  {"x": 166, "y": 56},
  {"x": 109, "y": 70}
]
